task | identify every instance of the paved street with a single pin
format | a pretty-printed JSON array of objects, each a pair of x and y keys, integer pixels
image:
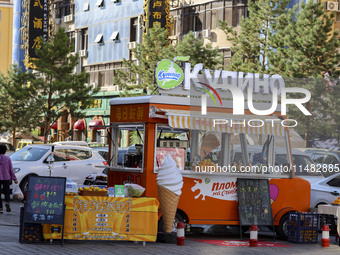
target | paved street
[{"x": 9, "y": 244}]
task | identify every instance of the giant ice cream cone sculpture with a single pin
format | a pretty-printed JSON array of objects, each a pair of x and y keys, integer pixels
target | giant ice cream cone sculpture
[{"x": 170, "y": 183}]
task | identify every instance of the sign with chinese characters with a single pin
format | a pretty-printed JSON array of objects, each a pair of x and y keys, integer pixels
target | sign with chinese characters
[
  {"x": 109, "y": 218},
  {"x": 129, "y": 113},
  {"x": 45, "y": 200},
  {"x": 38, "y": 25},
  {"x": 158, "y": 12}
]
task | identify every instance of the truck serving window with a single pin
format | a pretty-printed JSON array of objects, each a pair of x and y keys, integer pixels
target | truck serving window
[
  {"x": 128, "y": 150},
  {"x": 174, "y": 142},
  {"x": 212, "y": 151}
]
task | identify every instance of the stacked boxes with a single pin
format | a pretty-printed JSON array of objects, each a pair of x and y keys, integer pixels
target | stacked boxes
[{"x": 303, "y": 227}]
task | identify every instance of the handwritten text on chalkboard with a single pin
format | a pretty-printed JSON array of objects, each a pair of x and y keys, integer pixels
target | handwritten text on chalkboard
[
  {"x": 45, "y": 200},
  {"x": 254, "y": 202}
]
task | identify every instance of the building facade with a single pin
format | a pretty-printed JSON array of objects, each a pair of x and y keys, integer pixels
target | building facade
[
  {"x": 103, "y": 33},
  {"x": 6, "y": 28}
]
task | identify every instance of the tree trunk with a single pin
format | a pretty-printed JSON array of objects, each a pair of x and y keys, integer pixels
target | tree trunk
[
  {"x": 306, "y": 139},
  {"x": 13, "y": 137}
]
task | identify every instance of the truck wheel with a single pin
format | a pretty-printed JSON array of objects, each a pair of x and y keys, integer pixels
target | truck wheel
[
  {"x": 282, "y": 230},
  {"x": 178, "y": 218}
]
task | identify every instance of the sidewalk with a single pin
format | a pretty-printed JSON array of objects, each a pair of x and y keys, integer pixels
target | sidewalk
[{"x": 9, "y": 244}]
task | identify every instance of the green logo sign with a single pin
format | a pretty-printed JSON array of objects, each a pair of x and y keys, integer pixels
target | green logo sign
[{"x": 168, "y": 74}]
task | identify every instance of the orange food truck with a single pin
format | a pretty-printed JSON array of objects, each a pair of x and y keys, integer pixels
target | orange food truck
[{"x": 175, "y": 122}]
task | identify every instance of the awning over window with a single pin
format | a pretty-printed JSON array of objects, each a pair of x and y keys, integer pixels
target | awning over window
[
  {"x": 227, "y": 123},
  {"x": 96, "y": 124},
  {"x": 54, "y": 125},
  {"x": 114, "y": 36},
  {"x": 79, "y": 125},
  {"x": 99, "y": 38}
]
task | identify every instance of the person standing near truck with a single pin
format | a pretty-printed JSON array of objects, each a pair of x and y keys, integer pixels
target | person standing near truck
[{"x": 6, "y": 177}]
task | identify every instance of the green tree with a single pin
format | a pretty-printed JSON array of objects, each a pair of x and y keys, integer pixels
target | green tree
[
  {"x": 299, "y": 45},
  {"x": 55, "y": 86},
  {"x": 254, "y": 43},
  {"x": 198, "y": 52},
  {"x": 309, "y": 50},
  {"x": 17, "y": 113},
  {"x": 140, "y": 74}
]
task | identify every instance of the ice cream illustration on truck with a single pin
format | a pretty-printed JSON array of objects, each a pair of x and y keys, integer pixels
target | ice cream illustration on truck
[{"x": 169, "y": 183}]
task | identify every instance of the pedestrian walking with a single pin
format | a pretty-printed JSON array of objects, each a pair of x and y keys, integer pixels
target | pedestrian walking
[{"x": 6, "y": 177}]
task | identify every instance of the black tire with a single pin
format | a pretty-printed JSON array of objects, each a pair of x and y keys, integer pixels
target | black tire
[
  {"x": 178, "y": 218},
  {"x": 282, "y": 230},
  {"x": 24, "y": 186}
]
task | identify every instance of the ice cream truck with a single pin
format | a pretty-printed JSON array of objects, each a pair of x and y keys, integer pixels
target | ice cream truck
[{"x": 209, "y": 140}]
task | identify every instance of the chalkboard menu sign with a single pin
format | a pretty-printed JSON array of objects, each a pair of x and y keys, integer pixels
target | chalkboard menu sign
[
  {"x": 254, "y": 204},
  {"x": 45, "y": 200}
]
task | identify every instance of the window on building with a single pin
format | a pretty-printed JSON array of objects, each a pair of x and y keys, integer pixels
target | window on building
[
  {"x": 101, "y": 78},
  {"x": 213, "y": 19},
  {"x": 228, "y": 15},
  {"x": 0, "y": 15},
  {"x": 67, "y": 9},
  {"x": 58, "y": 12},
  {"x": 84, "y": 38},
  {"x": 226, "y": 58},
  {"x": 133, "y": 29},
  {"x": 238, "y": 12},
  {"x": 72, "y": 37}
]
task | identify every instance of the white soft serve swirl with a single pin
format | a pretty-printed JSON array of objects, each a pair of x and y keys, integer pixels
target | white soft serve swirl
[{"x": 169, "y": 176}]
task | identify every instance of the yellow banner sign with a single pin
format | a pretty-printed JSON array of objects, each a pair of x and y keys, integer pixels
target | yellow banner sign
[{"x": 108, "y": 218}]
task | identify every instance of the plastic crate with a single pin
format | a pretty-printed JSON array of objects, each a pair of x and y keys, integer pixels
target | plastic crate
[
  {"x": 303, "y": 227},
  {"x": 29, "y": 232}
]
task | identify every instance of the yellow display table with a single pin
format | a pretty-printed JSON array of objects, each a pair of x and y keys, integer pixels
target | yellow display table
[{"x": 108, "y": 218}]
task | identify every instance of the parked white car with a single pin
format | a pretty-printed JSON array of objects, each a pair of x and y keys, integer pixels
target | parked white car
[
  {"x": 73, "y": 162},
  {"x": 325, "y": 191},
  {"x": 329, "y": 160}
]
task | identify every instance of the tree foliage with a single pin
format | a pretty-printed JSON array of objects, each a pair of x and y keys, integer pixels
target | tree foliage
[
  {"x": 17, "y": 113},
  {"x": 252, "y": 45},
  {"x": 198, "y": 52},
  {"x": 140, "y": 74},
  {"x": 54, "y": 87},
  {"x": 298, "y": 44}
]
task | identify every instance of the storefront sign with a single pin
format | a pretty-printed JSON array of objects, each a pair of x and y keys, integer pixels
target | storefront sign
[
  {"x": 157, "y": 12},
  {"x": 129, "y": 113},
  {"x": 109, "y": 218},
  {"x": 168, "y": 74},
  {"x": 38, "y": 25},
  {"x": 245, "y": 89}
]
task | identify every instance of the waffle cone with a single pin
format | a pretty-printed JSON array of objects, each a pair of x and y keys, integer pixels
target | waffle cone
[{"x": 168, "y": 202}]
